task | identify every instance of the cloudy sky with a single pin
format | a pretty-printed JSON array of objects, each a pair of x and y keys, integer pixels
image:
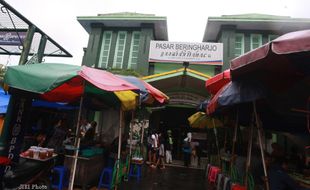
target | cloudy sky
[{"x": 186, "y": 19}]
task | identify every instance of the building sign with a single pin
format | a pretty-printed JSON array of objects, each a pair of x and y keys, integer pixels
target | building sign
[
  {"x": 197, "y": 53},
  {"x": 11, "y": 38}
]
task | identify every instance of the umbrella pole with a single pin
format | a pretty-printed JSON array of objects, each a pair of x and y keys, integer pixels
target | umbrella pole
[
  {"x": 259, "y": 131},
  {"x": 130, "y": 131},
  {"x": 234, "y": 140},
  {"x": 248, "y": 160},
  {"x": 216, "y": 141},
  {"x": 119, "y": 144},
  {"x": 77, "y": 144}
]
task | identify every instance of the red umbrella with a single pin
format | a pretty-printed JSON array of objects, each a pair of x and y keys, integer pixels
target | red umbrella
[
  {"x": 279, "y": 64},
  {"x": 215, "y": 83},
  {"x": 73, "y": 88}
]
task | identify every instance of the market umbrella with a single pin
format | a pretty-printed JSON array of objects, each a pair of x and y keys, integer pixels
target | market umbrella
[
  {"x": 64, "y": 83},
  {"x": 201, "y": 120},
  {"x": 4, "y": 101},
  {"x": 148, "y": 94},
  {"x": 68, "y": 83},
  {"x": 214, "y": 84},
  {"x": 278, "y": 64},
  {"x": 236, "y": 92}
]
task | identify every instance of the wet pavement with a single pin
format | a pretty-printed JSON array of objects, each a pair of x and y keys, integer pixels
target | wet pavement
[{"x": 170, "y": 178}]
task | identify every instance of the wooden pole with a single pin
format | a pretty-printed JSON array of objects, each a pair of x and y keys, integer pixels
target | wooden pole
[
  {"x": 119, "y": 144},
  {"x": 234, "y": 140},
  {"x": 216, "y": 141},
  {"x": 130, "y": 137},
  {"x": 259, "y": 131},
  {"x": 77, "y": 146},
  {"x": 248, "y": 160}
]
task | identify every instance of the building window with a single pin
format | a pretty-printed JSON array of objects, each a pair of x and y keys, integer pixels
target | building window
[
  {"x": 119, "y": 50},
  {"x": 256, "y": 41},
  {"x": 239, "y": 44},
  {"x": 105, "y": 49},
  {"x": 134, "y": 50},
  {"x": 272, "y": 37}
]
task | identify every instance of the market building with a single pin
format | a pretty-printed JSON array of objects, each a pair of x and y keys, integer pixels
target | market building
[
  {"x": 120, "y": 42},
  {"x": 243, "y": 33}
]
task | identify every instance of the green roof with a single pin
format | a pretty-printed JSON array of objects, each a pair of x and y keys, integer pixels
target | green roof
[
  {"x": 127, "y": 19},
  {"x": 126, "y": 14},
  {"x": 255, "y": 17},
  {"x": 252, "y": 22}
]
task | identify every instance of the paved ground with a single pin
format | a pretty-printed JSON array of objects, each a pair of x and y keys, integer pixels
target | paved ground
[{"x": 170, "y": 178}]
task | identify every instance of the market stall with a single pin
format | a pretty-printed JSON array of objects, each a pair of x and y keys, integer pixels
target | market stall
[
  {"x": 272, "y": 81},
  {"x": 65, "y": 83}
]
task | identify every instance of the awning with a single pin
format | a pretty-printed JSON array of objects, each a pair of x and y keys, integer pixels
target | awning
[
  {"x": 64, "y": 83},
  {"x": 215, "y": 83}
]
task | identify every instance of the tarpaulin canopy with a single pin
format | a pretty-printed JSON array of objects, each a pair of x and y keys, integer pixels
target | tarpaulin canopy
[
  {"x": 4, "y": 101},
  {"x": 202, "y": 120},
  {"x": 215, "y": 83},
  {"x": 236, "y": 92},
  {"x": 148, "y": 93},
  {"x": 64, "y": 83},
  {"x": 278, "y": 64}
]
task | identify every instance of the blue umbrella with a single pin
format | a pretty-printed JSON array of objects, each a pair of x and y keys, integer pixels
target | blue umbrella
[
  {"x": 238, "y": 92},
  {"x": 4, "y": 101},
  {"x": 138, "y": 83}
]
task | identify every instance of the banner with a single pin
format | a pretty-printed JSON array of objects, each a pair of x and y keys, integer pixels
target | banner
[
  {"x": 197, "y": 53},
  {"x": 11, "y": 38},
  {"x": 16, "y": 121}
]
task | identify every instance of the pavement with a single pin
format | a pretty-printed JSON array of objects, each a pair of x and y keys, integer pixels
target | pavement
[{"x": 170, "y": 178}]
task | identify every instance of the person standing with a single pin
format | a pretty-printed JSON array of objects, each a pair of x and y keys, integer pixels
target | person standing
[
  {"x": 169, "y": 147},
  {"x": 187, "y": 149},
  {"x": 89, "y": 138},
  {"x": 155, "y": 147}
]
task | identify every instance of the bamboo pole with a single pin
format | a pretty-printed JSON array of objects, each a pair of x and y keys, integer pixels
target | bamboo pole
[
  {"x": 216, "y": 141},
  {"x": 130, "y": 137},
  {"x": 234, "y": 140},
  {"x": 77, "y": 145},
  {"x": 259, "y": 131},
  {"x": 248, "y": 160},
  {"x": 119, "y": 145}
]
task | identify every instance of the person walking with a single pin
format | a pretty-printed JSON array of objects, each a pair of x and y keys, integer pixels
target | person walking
[
  {"x": 161, "y": 153},
  {"x": 169, "y": 147}
]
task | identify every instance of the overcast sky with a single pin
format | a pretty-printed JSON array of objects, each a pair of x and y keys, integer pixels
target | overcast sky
[{"x": 186, "y": 19}]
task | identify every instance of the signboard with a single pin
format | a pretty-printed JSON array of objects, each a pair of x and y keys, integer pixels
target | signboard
[
  {"x": 11, "y": 38},
  {"x": 17, "y": 122},
  {"x": 197, "y": 53}
]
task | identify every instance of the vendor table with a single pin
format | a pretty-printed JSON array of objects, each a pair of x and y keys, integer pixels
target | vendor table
[{"x": 88, "y": 170}]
